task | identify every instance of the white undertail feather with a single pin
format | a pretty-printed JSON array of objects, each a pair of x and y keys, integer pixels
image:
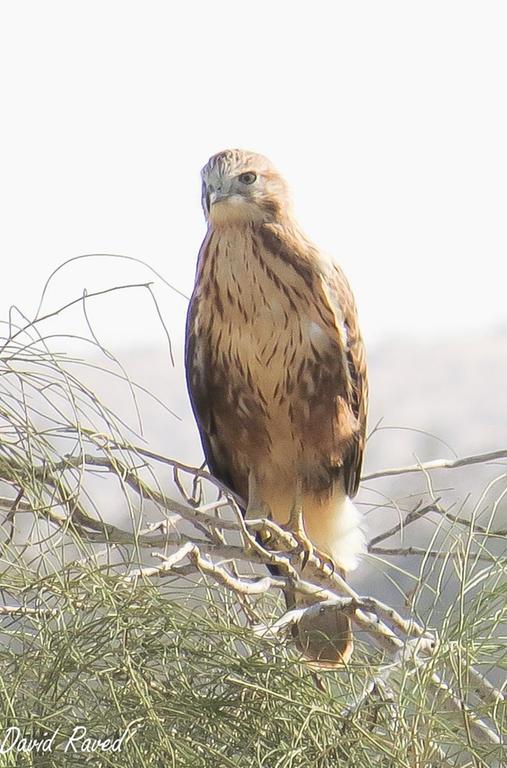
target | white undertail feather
[
  {"x": 334, "y": 528},
  {"x": 332, "y": 523}
]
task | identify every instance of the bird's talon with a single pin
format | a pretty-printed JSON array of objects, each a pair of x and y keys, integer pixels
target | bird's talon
[
  {"x": 305, "y": 546},
  {"x": 326, "y": 560}
]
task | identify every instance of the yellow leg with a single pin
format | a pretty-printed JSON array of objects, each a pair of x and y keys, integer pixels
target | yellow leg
[
  {"x": 296, "y": 526},
  {"x": 256, "y": 507}
]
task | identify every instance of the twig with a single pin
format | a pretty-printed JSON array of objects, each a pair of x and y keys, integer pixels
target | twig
[
  {"x": 421, "y": 552},
  {"x": 23, "y": 610},
  {"x": 485, "y": 690},
  {"x": 478, "y": 458},
  {"x": 165, "y": 567},
  {"x": 412, "y": 516},
  {"x": 478, "y": 728}
]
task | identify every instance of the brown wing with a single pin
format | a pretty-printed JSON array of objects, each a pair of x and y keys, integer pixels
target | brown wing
[
  {"x": 207, "y": 392},
  {"x": 343, "y": 304},
  {"x": 345, "y": 377}
]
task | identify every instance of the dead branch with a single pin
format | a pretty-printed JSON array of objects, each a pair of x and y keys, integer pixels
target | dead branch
[{"x": 478, "y": 458}]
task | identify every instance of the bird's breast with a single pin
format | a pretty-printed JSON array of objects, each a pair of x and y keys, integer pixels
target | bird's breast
[
  {"x": 262, "y": 330},
  {"x": 267, "y": 360}
]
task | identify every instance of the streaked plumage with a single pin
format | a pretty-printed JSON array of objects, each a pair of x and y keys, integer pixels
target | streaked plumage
[{"x": 275, "y": 363}]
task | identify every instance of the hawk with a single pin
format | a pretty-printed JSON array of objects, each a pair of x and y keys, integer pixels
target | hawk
[{"x": 276, "y": 367}]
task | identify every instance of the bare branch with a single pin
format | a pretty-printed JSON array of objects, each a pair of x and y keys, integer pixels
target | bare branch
[
  {"x": 437, "y": 554},
  {"x": 478, "y": 458},
  {"x": 412, "y": 516},
  {"x": 23, "y": 610}
]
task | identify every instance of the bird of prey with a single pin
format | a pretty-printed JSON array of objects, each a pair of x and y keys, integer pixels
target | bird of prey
[{"x": 276, "y": 366}]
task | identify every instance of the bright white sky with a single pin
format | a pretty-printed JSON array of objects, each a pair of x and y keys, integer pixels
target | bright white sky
[{"x": 389, "y": 120}]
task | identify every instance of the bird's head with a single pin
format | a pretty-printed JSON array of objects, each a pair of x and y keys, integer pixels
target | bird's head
[{"x": 241, "y": 187}]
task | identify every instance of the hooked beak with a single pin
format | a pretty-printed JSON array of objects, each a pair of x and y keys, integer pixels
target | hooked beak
[{"x": 216, "y": 195}]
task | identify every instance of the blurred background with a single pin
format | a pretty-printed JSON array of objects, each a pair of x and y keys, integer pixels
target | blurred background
[{"x": 388, "y": 121}]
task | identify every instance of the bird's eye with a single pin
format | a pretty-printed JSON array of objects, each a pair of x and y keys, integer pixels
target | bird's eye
[{"x": 247, "y": 178}]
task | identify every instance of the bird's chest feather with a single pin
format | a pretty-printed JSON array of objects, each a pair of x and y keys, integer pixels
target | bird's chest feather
[{"x": 264, "y": 332}]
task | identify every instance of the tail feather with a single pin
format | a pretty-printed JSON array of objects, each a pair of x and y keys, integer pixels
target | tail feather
[
  {"x": 332, "y": 523},
  {"x": 334, "y": 528},
  {"x": 326, "y": 638}
]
